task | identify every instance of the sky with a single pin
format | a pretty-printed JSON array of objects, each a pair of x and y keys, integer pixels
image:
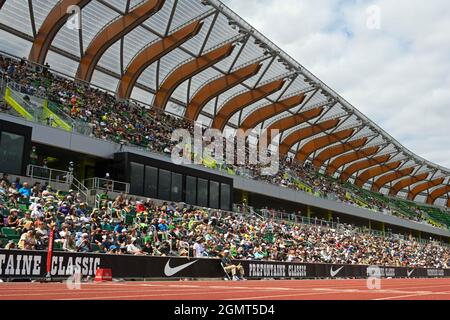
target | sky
[{"x": 390, "y": 59}]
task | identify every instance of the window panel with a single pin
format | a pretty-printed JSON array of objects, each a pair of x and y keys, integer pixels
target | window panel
[
  {"x": 164, "y": 185},
  {"x": 177, "y": 187},
  {"x": 11, "y": 152},
  {"x": 202, "y": 197},
  {"x": 191, "y": 190},
  {"x": 136, "y": 178},
  {"x": 151, "y": 182},
  {"x": 214, "y": 194},
  {"x": 225, "y": 196}
]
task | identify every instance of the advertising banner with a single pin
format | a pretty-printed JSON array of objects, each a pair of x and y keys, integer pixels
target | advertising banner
[{"x": 19, "y": 264}]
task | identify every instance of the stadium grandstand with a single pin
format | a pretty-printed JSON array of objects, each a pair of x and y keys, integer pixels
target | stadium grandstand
[{"x": 91, "y": 92}]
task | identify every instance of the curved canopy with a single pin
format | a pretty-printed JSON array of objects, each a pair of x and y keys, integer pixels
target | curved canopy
[
  {"x": 374, "y": 172},
  {"x": 218, "y": 86},
  {"x": 188, "y": 70},
  {"x": 56, "y": 18},
  {"x": 331, "y": 152},
  {"x": 199, "y": 59},
  {"x": 387, "y": 178},
  {"x": 361, "y": 165},
  {"x": 243, "y": 100},
  {"x": 424, "y": 186},
  {"x": 318, "y": 143},
  {"x": 407, "y": 182},
  {"x": 152, "y": 53},
  {"x": 305, "y": 133},
  {"x": 292, "y": 121},
  {"x": 436, "y": 193},
  {"x": 111, "y": 33},
  {"x": 267, "y": 112},
  {"x": 350, "y": 157}
]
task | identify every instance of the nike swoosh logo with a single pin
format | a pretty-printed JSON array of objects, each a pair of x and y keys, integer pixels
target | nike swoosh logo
[
  {"x": 335, "y": 272},
  {"x": 410, "y": 272},
  {"x": 169, "y": 271}
]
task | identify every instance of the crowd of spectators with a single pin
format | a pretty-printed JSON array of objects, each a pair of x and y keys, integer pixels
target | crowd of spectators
[
  {"x": 168, "y": 229},
  {"x": 127, "y": 123}
]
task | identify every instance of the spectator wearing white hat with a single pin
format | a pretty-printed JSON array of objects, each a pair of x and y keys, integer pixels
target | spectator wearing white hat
[
  {"x": 133, "y": 248},
  {"x": 122, "y": 238},
  {"x": 27, "y": 240},
  {"x": 83, "y": 244},
  {"x": 10, "y": 245},
  {"x": 69, "y": 243},
  {"x": 199, "y": 248}
]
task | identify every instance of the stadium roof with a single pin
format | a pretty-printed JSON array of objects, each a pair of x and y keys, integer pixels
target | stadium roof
[{"x": 199, "y": 59}]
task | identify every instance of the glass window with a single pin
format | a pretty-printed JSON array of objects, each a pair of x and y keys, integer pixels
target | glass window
[
  {"x": 11, "y": 152},
  {"x": 136, "y": 178},
  {"x": 151, "y": 182},
  {"x": 164, "y": 185},
  {"x": 177, "y": 187},
  {"x": 191, "y": 190},
  {"x": 202, "y": 195},
  {"x": 225, "y": 196},
  {"x": 214, "y": 194}
]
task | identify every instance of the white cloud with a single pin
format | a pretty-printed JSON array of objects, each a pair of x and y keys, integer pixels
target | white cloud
[{"x": 399, "y": 75}]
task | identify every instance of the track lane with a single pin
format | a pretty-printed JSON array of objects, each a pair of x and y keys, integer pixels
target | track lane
[{"x": 337, "y": 289}]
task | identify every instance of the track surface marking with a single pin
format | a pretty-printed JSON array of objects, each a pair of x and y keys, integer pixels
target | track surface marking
[{"x": 391, "y": 289}]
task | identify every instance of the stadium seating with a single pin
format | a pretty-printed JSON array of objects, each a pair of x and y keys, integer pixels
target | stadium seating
[
  {"x": 124, "y": 122},
  {"x": 151, "y": 129},
  {"x": 246, "y": 235}
]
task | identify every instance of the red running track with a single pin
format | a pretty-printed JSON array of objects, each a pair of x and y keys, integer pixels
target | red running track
[{"x": 391, "y": 289}]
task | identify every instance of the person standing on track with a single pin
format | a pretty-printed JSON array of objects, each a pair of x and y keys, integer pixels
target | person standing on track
[{"x": 228, "y": 266}]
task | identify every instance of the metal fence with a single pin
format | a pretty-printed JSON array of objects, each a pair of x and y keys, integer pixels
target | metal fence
[
  {"x": 296, "y": 219},
  {"x": 49, "y": 174},
  {"x": 58, "y": 176},
  {"x": 106, "y": 184}
]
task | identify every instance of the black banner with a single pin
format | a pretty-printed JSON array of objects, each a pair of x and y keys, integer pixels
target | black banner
[{"x": 33, "y": 264}]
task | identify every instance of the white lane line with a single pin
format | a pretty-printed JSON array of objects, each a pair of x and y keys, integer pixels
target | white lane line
[
  {"x": 405, "y": 296},
  {"x": 77, "y": 292},
  {"x": 155, "y": 295},
  {"x": 281, "y": 295}
]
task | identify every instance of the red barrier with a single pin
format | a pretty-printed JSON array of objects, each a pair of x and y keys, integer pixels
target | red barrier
[
  {"x": 50, "y": 251},
  {"x": 103, "y": 275}
]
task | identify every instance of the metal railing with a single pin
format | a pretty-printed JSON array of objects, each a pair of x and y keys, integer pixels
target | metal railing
[
  {"x": 297, "y": 219},
  {"x": 106, "y": 184},
  {"x": 58, "y": 176},
  {"x": 48, "y": 174}
]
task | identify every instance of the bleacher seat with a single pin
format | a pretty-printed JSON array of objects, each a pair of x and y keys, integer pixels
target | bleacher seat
[
  {"x": 58, "y": 246},
  {"x": 9, "y": 232},
  {"x": 95, "y": 248}
]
